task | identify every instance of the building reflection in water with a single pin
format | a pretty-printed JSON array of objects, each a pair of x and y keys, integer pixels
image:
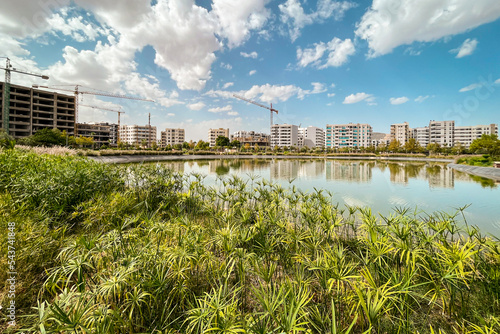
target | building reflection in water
[{"x": 350, "y": 171}]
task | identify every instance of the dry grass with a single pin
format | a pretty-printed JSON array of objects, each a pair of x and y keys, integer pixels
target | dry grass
[{"x": 56, "y": 150}]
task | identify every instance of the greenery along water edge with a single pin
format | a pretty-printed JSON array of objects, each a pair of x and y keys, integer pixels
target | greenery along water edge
[{"x": 139, "y": 249}]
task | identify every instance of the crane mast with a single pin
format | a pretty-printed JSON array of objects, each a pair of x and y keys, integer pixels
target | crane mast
[
  {"x": 271, "y": 109},
  {"x": 119, "y": 112}
]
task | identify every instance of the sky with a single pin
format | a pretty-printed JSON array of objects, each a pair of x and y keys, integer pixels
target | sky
[{"x": 317, "y": 61}]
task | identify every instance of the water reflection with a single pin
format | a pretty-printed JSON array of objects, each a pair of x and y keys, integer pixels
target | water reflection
[{"x": 438, "y": 175}]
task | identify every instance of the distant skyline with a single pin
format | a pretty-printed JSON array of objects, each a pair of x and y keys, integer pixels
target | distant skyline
[{"x": 318, "y": 61}]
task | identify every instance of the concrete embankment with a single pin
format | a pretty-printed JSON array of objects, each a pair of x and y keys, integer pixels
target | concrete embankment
[
  {"x": 123, "y": 159},
  {"x": 487, "y": 172}
]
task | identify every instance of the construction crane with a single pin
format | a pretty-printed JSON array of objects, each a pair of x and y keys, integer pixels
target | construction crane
[
  {"x": 6, "y": 89},
  {"x": 260, "y": 105},
  {"x": 77, "y": 92},
  {"x": 108, "y": 109}
]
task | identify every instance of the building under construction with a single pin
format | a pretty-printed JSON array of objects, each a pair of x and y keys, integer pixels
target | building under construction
[
  {"x": 100, "y": 132},
  {"x": 34, "y": 109}
]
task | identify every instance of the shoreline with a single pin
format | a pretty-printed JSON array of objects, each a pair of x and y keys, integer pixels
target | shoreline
[
  {"x": 123, "y": 159},
  {"x": 486, "y": 172}
]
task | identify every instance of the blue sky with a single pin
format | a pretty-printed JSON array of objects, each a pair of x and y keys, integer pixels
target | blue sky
[{"x": 318, "y": 61}]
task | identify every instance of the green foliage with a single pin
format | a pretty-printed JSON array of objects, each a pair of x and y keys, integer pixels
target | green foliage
[
  {"x": 222, "y": 141},
  {"x": 489, "y": 144},
  {"x": 483, "y": 161},
  {"x": 144, "y": 250},
  {"x": 6, "y": 141},
  {"x": 46, "y": 137}
]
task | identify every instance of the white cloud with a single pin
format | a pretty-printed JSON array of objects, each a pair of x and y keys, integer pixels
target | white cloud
[
  {"x": 75, "y": 27},
  {"x": 398, "y": 100},
  {"x": 227, "y": 85},
  {"x": 252, "y": 54},
  {"x": 236, "y": 19},
  {"x": 331, "y": 94},
  {"x": 221, "y": 109},
  {"x": 252, "y": 72},
  {"x": 293, "y": 15},
  {"x": 358, "y": 97},
  {"x": 466, "y": 49},
  {"x": 497, "y": 81},
  {"x": 226, "y": 66},
  {"x": 170, "y": 114},
  {"x": 389, "y": 24},
  {"x": 233, "y": 113},
  {"x": 470, "y": 87},
  {"x": 338, "y": 53},
  {"x": 421, "y": 98},
  {"x": 196, "y": 106}
]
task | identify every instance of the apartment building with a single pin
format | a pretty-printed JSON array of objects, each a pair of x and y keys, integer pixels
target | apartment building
[
  {"x": 284, "y": 135},
  {"x": 400, "y": 132},
  {"x": 137, "y": 134},
  {"x": 33, "y": 109},
  {"x": 380, "y": 139},
  {"x": 311, "y": 137},
  {"x": 100, "y": 133},
  {"x": 442, "y": 133},
  {"x": 421, "y": 135},
  {"x": 465, "y": 135},
  {"x": 348, "y": 135},
  {"x": 172, "y": 137},
  {"x": 214, "y": 133},
  {"x": 252, "y": 138}
]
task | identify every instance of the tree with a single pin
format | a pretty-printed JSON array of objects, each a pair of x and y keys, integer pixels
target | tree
[
  {"x": 235, "y": 143},
  {"x": 47, "y": 137},
  {"x": 185, "y": 145},
  {"x": 489, "y": 144},
  {"x": 202, "y": 145},
  {"x": 178, "y": 147},
  {"x": 433, "y": 148},
  {"x": 394, "y": 146},
  {"x": 222, "y": 141},
  {"x": 458, "y": 148},
  {"x": 84, "y": 141},
  {"x": 247, "y": 146},
  {"x": 412, "y": 145},
  {"x": 6, "y": 140}
]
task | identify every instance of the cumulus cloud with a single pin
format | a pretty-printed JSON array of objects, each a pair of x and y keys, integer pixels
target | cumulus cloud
[
  {"x": 388, "y": 24},
  {"x": 469, "y": 87},
  {"x": 227, "y": 85},
  {"x": 337, "y": 52},
  {"x": 238, "y": 18},
  {"x": 196, "y": 106},
  {"x": 497, "y": 81},
  {"x": 398, "y": 100},
  {"x": 75, "y": 27},
  {"x": 233, "y": 113},
  {"x": 252, "y": 54},
  {"x": 358, "y": 97},
  {"x": 466, "y": 49},
  {"x": 293, "y": 15},
  {"x": 226, "y": 66},
  {"x": 252, "y": 72}
]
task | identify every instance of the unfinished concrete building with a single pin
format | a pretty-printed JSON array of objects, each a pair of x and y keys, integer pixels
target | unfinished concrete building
[
  {"x": 33, "y": 109},
  {"x": 100, "y": 133}
]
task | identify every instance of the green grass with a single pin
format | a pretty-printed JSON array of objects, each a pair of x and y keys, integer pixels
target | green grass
[
  {"x": 139, "y": 249},
  {"x": 482, "y": 161}
]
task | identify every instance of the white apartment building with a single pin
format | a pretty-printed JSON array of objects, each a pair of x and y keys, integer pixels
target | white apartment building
[
  {"x": 172, "y": 137},
  {"x": 421, "y": 135},
  {"x": 213, "y": 134},
  {"x": 136, "y": 134},
  {"x": 400, "y": 132},
  {"x": 348, "y": 135},
  {"x": 442, "y": 132},
  {"x": 465, "y": 135},
  {"x": 251, "y": 137},
  {"x": 311, "y": 137},
  {"x": 284, "y": 135}
]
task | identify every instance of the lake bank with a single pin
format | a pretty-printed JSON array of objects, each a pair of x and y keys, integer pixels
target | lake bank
[
  {"x": 123, "y": 159},
  {"x": 487, "y": 172}
]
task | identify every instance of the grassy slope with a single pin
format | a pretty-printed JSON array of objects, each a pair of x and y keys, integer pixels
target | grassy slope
[{"x": 104, "y": 249}]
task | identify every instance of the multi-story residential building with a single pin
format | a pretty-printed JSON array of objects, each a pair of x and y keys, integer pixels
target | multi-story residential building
[
  {"x": 348, "y": 135},
  {"x": 421, "y": 135},
  {"x": 311, "y": 137},
  {"x": 213, "y": 134},
  {"x": 284, "y": 135},
  {"x": 442, "y": 133},
  {"x": 100, "y": 133},
  {"x": 33, "y": 109},
  {"x": 172, "y": 137},
  {"x": 380, "y": 139},
  {"x": 251, "y": 137},
  {"x": 137, "y": 134},
  {"x": 400, "y": 132},
  {"x": 465, "y": 135}
]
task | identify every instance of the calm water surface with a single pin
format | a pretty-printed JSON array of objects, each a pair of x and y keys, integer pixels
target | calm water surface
[{"x": 426, "y": 186}]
